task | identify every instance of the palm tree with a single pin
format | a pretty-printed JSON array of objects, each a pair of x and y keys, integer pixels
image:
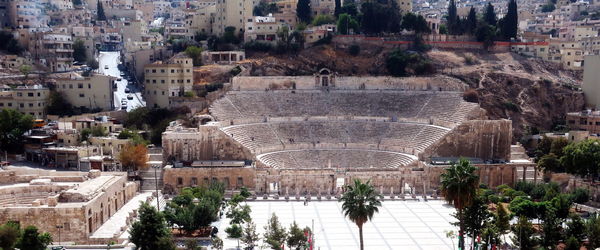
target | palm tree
[
  {"x": 459, "y": 187},
  {"x": 361, "y": 202}
]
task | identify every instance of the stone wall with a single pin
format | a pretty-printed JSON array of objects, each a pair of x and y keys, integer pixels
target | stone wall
[
  {"x": 79, "y": 219},
  {"x": 484, "y": 139},
  {"x": 438, "y": 83},
  {"x": 204, "y": 143},
  {"x": 203, "y": 175}
]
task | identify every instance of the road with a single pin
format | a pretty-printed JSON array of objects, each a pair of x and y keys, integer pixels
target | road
[{"x": 111, "y": 59}]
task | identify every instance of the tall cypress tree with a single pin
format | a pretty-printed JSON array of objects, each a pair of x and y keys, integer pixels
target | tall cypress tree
[
  {"x": 101, "y": 15},
  {"x": 338, "y": 8},
  {"x": 472, "y": 21},
  {"x": 489, "y": 16},
  {"x": 452, "y": 18},
  {"x": 303, "y": 10},
  {"x": 510, "y": 21}
]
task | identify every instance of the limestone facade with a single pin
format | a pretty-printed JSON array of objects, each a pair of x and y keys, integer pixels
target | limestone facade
[{"x": 80, "y": 202}]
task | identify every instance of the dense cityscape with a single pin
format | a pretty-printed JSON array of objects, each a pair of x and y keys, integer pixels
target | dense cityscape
[{"x": 299, "y": 124}]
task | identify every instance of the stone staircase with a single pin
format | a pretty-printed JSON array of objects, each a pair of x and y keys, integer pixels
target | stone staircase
[{"x": 151, "y": 175}]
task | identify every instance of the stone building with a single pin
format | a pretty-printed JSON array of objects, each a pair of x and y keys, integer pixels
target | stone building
[
  {"x": 314, "y": 134},
  {"x": 77, "y": 202},
  {"x": 93, "y": 92},
  {"x": 31, "y": 100},
  {"x": 169, "y": 79}
]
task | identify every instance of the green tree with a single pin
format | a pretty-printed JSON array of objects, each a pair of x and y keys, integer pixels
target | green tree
[
  {"x": 9, "y": 235},
  {"x": 401, "y": 63},
  {"x": 101, "y": 16},
  {"x": 346, "y": 23},
  {"x": 296, "y": 237},
  {"x": 303, "y": 11},
  {"x": 580, "y": 195},
  {"x": 323, "y": 19},
  {"x": 416, "y": 23},
  {"x": 572, "y": 243},
  {"x": 582, "y": 158},
  {"x": 79, "y": 53},
  {"x": 523, "y": 234},
  {"x": 502, "y": 219},
  {"x": 195, "y": 53},
  {"x": 476, "y": 216},
  {"x": 575, "y": 227},
  {"x": 229, "y": 35},
  {"x": 249, "y": 236},
  {"x": 592, "y": 226},
  {"x": 234, "y": 231},
  {"x": 275, "y": 234},
  {"x": 551, "y": 228},
  {"x": 93, "y": 63},
  {"x": 549, "y": 7},
  {"x": 458, "y": 185},
  {"x": 452, "y": 18},
  {"x": 58, "y": 105},
  {"x": 486, "y": 34},
  {"x": 25, "y": 70},
  {"x": 239, "y": 214},
  {"x": 31, "y": 239},
  {"x": 489, "y": 15},
  {"x": 558, "y": 145},
  {"x": 550, "y": 162},
  {"x": 9, "y": 43},
  {"x": 510, "y": 21},
  {"x": 13, "y": 124},
  {"x": 472, "y": 21},
  {"x": 150, "y": 231},
  {"x": 359, "y": 203}
]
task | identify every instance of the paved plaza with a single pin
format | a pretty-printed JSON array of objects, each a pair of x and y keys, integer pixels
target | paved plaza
[{"x": 398, "y": 225}]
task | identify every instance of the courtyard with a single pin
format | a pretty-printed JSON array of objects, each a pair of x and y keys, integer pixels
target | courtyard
[{"x": 398, "y": 225}]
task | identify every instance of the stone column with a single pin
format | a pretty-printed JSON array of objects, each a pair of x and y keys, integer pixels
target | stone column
[{"x": 524, "y": 173}]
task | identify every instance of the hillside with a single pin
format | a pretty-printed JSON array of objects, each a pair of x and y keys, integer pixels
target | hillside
[{"x": 530, "y": 92}]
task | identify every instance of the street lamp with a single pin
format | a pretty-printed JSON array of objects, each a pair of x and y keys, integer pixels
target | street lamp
[
  {"x": 156, "y": 187},
  {"x": 59, "y": 227}
]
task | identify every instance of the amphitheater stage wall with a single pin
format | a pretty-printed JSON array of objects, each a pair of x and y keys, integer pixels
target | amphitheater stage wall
[
  {"x": 204, "y": 143},
  {"x": 261, "y": 83},
  {"x": 175, "y": 179},
  {"x": 484, "y": 139}
]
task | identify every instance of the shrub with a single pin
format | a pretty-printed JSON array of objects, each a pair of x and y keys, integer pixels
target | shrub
[
  {"x": 471, "y": 95},
  {"x": 325, "y": 40},
  {"x": 234, "y": 231},
  {"x": 401, "y": 63},
  {"x": 258, "y": 46},
  {"x": 354, "y": 49},
  {"x": 511, "y": 106},
  {"x": 580, "y": 195}
]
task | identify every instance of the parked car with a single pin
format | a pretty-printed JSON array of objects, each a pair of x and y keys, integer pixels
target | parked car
[
  {"x": 127, "y": 90},
  {"x": 119, "y": 79},
  {"x": 124, "y": 106},
  {"x": 105, "y": 66},
  {"x": 129, "y": 97}
]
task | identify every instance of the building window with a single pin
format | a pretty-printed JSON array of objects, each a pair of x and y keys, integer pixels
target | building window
[
  {"x": 80, "y": 85},
  {"x": 179, "y": 181},
  {"x": 81, "y": 95},
  {"x": 240, "y": 182},
  {"x": 30, "y": 94},
  {"x": 194, "y": 182}
]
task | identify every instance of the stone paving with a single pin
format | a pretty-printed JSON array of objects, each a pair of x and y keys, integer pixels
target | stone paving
[{"x": 398, "y": 225}]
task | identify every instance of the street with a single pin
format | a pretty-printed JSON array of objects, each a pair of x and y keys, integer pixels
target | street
[{"x": 111, "y": 59}]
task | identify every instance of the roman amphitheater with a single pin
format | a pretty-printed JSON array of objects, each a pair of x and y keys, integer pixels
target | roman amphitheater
[{"x": 293, "y": 136}]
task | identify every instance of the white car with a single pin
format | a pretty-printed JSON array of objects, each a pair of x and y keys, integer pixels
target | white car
[
  {"x": 105, "y": 66},
  {"x": 129, "y": 97}
]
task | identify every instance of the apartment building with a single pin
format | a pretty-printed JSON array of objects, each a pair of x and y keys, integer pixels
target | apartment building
[
  {"x": 31, "y": 100},
  {"x": 94, "y": 92},
  {"x": 262, "y": 28},
  {"x": 54, "y": 50},
  {"x": 324, "y": 7},
  {"x": 164, "y": 80},
  {"x": 405, "y": 6},
  {"x": 26, "y": 14},
  {"x": 232, "y": 13}
]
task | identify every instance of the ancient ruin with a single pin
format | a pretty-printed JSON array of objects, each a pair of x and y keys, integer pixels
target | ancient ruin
[{"x": 292, "y": 136}]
